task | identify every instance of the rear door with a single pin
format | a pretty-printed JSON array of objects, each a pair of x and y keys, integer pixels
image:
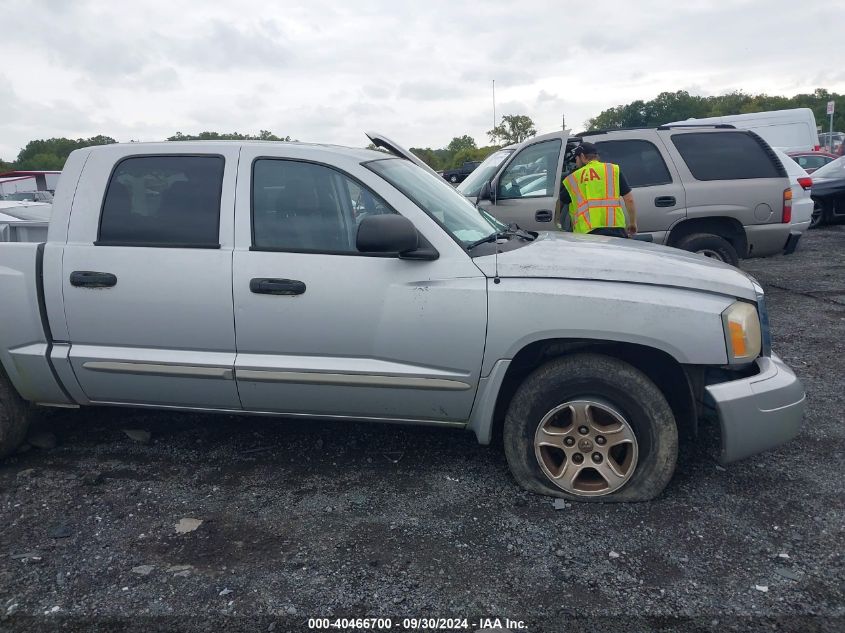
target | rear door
[
  {"x": 526, "y": 188},
  {"x": 651, "y": 174},
  {"x": 147, "y": 277},
  {"x": 733, "y": 174}
]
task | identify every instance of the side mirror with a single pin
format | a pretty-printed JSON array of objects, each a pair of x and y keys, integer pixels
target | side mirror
[
  {"x": 389, "y": 233},
  {"x": 486, "y": 192}
]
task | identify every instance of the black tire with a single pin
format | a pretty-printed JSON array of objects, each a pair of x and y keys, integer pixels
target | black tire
[
  {"x": 710, "y": 245},
  {"x": 613, "y": 381},
  {"x": 453, "y": 179},
  {"x": 819, "y": 215},
  {"x": 15, "y": 416}
]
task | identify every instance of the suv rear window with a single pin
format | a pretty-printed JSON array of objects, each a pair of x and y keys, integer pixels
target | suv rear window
[
  {"x": 163, "y": 201},
  {"x": 640, "y": 162},
  {"x": 727, "y": 156}
]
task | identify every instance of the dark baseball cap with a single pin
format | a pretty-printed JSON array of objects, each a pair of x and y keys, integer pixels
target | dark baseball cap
[{"x": 585, "y": 148}]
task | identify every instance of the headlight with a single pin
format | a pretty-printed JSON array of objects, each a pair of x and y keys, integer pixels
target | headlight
[{"x": 742, "y": 332}]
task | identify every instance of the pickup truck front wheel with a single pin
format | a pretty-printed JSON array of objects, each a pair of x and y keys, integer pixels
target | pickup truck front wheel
[
  {"x": 15, "y": 416},
  {"x": 591, "y": 427}
]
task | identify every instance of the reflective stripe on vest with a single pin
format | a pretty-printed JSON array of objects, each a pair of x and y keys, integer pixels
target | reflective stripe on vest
[{"x": 594, "y": 197}]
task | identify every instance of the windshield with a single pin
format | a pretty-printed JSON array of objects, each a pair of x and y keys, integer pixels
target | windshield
[
  {"x": 438, "y": 199},
  {"x": 834, "y": 169},
  {"x": 475, "y": 181}
]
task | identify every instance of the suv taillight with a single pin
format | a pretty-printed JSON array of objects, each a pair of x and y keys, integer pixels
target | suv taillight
[
  {"x": 806, "y": 183},
  {"x": 817, "y": 148},
  {"x": 786, "y": 218}
]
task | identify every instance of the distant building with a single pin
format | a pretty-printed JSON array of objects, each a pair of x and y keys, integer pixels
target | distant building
[{"x": 12, "y": 181}]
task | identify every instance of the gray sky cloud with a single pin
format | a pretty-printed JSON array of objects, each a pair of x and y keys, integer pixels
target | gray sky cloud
[{"x": 420, "y": 72}]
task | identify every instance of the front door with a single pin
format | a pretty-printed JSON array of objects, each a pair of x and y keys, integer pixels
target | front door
[
  {"x": 147, "y": 282},
  {"x": 526, "y": 190},
  {"x": 323, "y": 330},
  {"x": 658, "y": 191}
]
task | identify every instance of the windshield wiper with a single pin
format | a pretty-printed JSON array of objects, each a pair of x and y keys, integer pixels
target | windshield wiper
[
  {"x": 513, "y": 230},
  {"x": 493, "y": 237}
]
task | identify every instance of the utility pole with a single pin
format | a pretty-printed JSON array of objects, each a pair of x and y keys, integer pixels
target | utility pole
[{"x": 563, "y": 122}]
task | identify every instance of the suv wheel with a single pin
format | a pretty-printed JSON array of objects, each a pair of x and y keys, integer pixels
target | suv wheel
[
  {"x": 591, "y": 428},
  {"x": 710, "y": 245},
  {"x": 15, "y": 416},
  {"x": 453, "y": 179}
]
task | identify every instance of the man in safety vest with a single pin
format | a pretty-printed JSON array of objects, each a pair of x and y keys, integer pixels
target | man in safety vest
[{"x": 594, "y": 192}]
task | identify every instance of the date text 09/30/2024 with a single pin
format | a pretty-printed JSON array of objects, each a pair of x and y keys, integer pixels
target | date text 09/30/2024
[{"x": 416, "y": 624}]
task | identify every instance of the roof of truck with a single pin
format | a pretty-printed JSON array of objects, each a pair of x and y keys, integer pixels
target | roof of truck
[{"x": 355, "y": 152}]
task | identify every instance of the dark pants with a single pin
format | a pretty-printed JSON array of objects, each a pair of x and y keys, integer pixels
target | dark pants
[{"x": 610, "y": 232}]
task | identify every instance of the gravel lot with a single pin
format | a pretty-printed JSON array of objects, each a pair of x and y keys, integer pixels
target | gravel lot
[{"x": 302, "y": 520}]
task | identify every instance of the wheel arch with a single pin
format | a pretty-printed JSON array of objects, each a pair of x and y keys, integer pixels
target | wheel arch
[
  {"x": 664, "y": 370},
  {"x": 730, "y": 229}
]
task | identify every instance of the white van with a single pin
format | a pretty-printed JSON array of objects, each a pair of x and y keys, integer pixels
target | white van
[{"x": 788, "y": 130}]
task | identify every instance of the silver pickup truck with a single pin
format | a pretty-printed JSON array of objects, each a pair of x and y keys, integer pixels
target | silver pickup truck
[{"x": 321, "y": 282}]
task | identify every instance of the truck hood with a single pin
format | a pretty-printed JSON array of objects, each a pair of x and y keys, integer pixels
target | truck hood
[{"x": 595, "y": 257}]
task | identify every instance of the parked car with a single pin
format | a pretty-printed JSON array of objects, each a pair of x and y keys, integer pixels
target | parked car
[
  {"x": 832, "y": 142},
  {"x": 460, "y": 174},
  {"x": 801, "y": 202},
  {"x": 269, "y": 294},
  {"x": 792, "y": 130},
  {"x": 811, "y": 161},
  {"x": 829, "y": 193},
  {"x": 715, "y": 191}
]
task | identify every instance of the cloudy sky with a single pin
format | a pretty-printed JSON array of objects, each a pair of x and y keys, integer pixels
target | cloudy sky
[{"x": 421, "y": 72}]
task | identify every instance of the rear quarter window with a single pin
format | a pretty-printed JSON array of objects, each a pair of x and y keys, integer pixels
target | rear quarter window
[{"x": 727, "y": 156}]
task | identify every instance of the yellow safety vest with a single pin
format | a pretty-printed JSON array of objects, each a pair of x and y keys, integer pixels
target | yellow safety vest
[{"x": 594, "y": 194}]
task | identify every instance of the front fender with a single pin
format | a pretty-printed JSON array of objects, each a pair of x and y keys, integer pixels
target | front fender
[{"x": 686, "y": 324}]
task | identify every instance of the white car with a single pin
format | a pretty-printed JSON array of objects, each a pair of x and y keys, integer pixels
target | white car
[{"x": 801, "y": 181}]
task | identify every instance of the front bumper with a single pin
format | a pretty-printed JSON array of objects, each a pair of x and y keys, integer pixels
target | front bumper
[{"x": 759, "y": 412}]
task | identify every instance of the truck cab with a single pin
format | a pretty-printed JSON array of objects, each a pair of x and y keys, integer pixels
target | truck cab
[{"x": 318, "y": 282}]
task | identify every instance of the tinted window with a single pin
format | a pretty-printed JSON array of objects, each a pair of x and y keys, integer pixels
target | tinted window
[
  {"x": 640, "y": 161},
  {"x": 726, "y": 156},
  {"x": 532, "y": 173},
  {"x": 306, "y": 207},
  {"x": 163, "y": 201}
]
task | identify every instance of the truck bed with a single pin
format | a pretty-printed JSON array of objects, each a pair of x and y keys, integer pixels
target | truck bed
[{"x": 25, "y": 340}]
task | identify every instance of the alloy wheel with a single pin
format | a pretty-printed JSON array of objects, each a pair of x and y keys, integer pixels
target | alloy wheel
[{"x": 586, "y": 448}]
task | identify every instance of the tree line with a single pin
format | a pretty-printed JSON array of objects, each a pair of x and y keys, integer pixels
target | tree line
[
  {"x": 50, "y": 154},
  {"x": 681, "y": 105}
]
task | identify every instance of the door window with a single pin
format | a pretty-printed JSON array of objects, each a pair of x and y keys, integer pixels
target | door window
[
  {"x": 163, "y": 201},
  {"x": 532, "y": 173},
  {"x": 299, "y": 206},
  {"x": 640, "y": 162}
]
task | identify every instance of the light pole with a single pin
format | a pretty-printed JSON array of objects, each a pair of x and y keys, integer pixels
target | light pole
[{"x": 494, "y": 104}]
